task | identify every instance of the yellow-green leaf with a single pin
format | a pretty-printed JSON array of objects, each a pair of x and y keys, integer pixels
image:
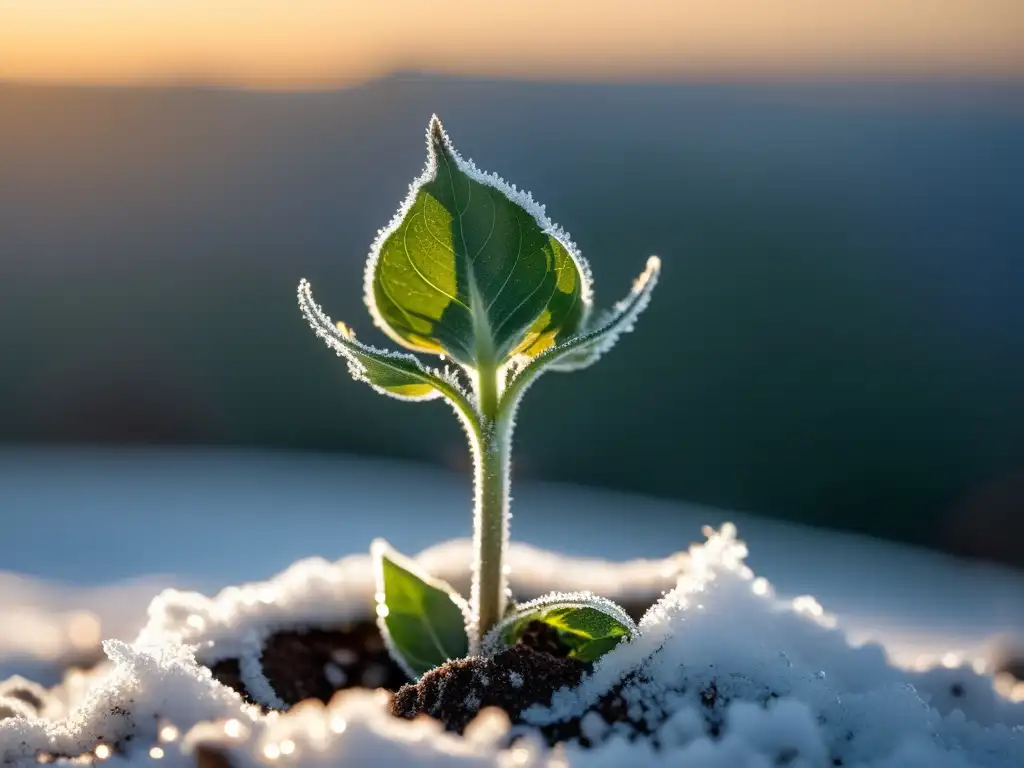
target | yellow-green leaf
[
  {"x": 472, "y": 268},
  {"x": 589, "y": 626}
]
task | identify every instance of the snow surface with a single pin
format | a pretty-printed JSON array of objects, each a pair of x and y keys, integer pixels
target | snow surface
[
  {"x": 790, "y": 690},
  {"x": 316, "y": 593},
  {"x": 120, "y": 525},
  {"x": 48, "y": 626}
]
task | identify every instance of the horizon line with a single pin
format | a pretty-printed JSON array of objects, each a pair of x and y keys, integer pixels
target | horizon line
[{"x": 339, "y": 84}]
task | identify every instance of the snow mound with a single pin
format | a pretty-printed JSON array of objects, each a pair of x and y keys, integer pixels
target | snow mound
[
  {"x": 317, "y": 593},
  {"x": 127, "y": 702},
  {"x": 724, "y": 674}
]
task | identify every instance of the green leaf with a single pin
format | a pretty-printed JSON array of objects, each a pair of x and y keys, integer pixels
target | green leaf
[
  {"x": 587, "y": 347},
  {"x": 422, "y": 619},
  {"x": 590, "y": 626},
  {"x": 472, "y": 268},
  {"x": 396, "y": 374}
]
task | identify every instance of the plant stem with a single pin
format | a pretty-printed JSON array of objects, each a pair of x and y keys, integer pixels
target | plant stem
[{"x": 492, "y": 505}]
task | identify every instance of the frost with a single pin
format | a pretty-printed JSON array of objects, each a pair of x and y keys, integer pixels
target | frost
[
  {"x": 314, "y": 592},
  {"x": 141, "y": 689},
  {"x": 236, "y": 622},
  {"x": 724, "y": 674},
  {"x": 402, "y": 585},
  {"x": 774, "y": 679},
  {"x": 600, "y": 336},
  {"x": 411, "y": 374},
  {"x": 593, "y": 727},
  {"x": 585, "y": 348},
  {"x": 497, "y": 639}
]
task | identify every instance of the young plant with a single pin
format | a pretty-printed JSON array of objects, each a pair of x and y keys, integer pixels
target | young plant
[{"x": 471, "y": 269}]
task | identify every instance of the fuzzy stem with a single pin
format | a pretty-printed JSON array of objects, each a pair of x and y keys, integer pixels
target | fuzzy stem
[{"x": 492, "y": 505}]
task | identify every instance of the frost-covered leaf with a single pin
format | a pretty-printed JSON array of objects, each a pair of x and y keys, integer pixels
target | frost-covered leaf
[
  {"x": 472, "y": 268},
  {"x": 391, "y": 373},
  {"x": 585, "y": 349},
  {"x": 589, "y": 625},
  {"x": 423, "y": 620}
]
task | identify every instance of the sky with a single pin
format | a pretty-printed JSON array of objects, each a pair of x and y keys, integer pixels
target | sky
[{"x": 323, "y": 43}]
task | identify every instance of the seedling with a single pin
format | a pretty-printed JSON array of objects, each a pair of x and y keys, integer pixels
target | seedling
[{"x": 471, "y": 269}]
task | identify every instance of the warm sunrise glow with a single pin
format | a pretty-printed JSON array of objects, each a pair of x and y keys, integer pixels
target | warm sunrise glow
[{"x": 327, "y": 42}]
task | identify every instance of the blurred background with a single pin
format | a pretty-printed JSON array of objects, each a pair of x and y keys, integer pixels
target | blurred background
[{"x": 835, "y": 190}]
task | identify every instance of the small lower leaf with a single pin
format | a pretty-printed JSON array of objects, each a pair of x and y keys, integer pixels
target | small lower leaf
[
  {"x": 588, "y": 625},
  {"x": 423, "y": 620}
]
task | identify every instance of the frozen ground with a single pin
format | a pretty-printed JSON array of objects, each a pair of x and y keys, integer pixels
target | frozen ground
[
  {"x": 93, "y": 535},
  {"x": 724, "y": 674}
]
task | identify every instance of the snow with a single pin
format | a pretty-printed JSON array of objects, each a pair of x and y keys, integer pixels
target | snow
[
  {"x": 131, "y": 697},
  {"x": 786, "y": 684},
  {"x": 235, "y": 499},
  {"x": 787, "y": 688},
  {"x": 318, "y": 593},
  {"x": 782, "y": 633}
]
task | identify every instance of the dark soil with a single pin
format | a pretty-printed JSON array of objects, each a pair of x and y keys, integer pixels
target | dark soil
[
  {"x": 525, "y": 675},
  {"x": 317, "y": 663},
  {"x": 515, "y": 679},
  {"x": 209, "y": 757}
]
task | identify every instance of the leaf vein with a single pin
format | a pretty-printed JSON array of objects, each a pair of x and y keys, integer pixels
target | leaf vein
[
  {"x": 424, "y": 278},
  {"x": 512, "y": 269}
]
